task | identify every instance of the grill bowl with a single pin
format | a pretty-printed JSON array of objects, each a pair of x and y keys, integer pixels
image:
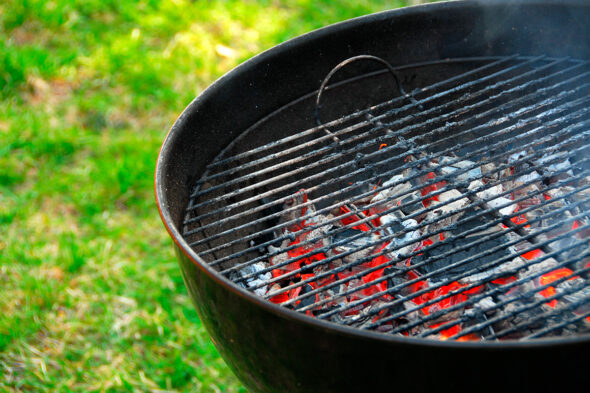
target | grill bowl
[{"x": 272, "y": 349}]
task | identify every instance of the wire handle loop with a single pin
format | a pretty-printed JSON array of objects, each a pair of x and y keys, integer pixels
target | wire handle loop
[{"x": 344, "y": 64}]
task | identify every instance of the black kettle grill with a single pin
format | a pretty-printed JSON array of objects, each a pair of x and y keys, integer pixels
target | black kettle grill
[{"x": 332, "y": 113}]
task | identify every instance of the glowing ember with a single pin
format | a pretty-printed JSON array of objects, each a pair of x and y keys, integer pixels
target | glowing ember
[{"x": 367, "y": 246}]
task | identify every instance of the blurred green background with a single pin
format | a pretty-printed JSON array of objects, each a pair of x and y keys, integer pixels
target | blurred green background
[{"x": 92, "y": 298}]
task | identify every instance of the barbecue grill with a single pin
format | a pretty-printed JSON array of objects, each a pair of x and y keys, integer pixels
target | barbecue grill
[{"x": 386, "y": 210}]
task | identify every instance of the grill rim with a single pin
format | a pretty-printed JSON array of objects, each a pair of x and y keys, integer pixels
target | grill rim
[
  {"x": 182, "y": 245},
  {"x": 188, "y": 251}
]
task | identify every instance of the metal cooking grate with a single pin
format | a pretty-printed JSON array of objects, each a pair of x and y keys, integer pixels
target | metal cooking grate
[{"x": 465, "y": 268}]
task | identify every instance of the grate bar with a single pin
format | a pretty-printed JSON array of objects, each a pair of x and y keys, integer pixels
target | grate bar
[
  {"x": 380, "y": 152},
  {"x": 523, "y": 124},
  {"x": 499, "y": 168},
  {"x": 349, "y": 129},
  {"x": 336, "y": 122},
  {"x": 311, "y": 241},
  {"x": 449, "y": 267},
  {"x": 477, "y": 297},
  {"x": 570, "y": 307},
  {"x": 334, "y": 157},
  {"x": 539, "y": 142},
  {"x": 492, "y": 184},
  {"x": 529, "y": 294},
  {"x": 559, "y": 184},
  {"x": 560, "y": 325},
  {"x": 435, "y": 245}
]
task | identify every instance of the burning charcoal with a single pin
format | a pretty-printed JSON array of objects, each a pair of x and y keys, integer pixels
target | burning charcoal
[
  {"x": 582, "y": 294},
  {"x": 527, "y": 177},
  {"x": 488, "y": 171},
  {"x": 436, "y": 224},
  {"x": 299, "y": 198},
  {"x": 411, "y": 203},
  {"x": 445, "y": 207},
  {"x": 507, "y": 268},
  {"x": 413, "y": 315},
  {"x": 536, "y": 268},
  {"x": 395, "y": 281},
  {"x": 363, "y": 318},
  {"x": 437, "y": 250},
  {"x": 305, "y": 301},
  {"x": 531, "y": 189},
  {"x": 446, "y": 245},
  {"x": 450, "y": 207},
  {"x": 282, "y": 256},
  {"x": 393, "y": 226},
  {"x": 252, "y": 281},
  {"x": 485, "y": 304},
  {"x": 471, "y": 174},
  {"x": 516, "y": 156},
  {"x": 360, "y": 245},
  {"x": 398, "y": 189},
  {"x": 490, "y": 193},
  {"x": 556, "y": 165},
  {"x": 319, "y": 233},
  {"x": 506, "y": 210},
  {"x": 332, "y": 295},
  {"x": 583, "y": 182}
]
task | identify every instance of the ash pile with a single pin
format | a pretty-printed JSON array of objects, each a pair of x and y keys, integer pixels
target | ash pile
[{"x": 445, "y": 248}]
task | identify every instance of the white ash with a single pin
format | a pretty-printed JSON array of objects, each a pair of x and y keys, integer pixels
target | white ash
[
  {"x": 282, "y": 256},
  {"x": 539, "y": 267},
  {"x": 527, "y": 184},
  {"x": 392, "y": 226},
  {"x": 391, "y": 191},
  {"x": 469, "y": 174},
  {"x": 361, "y": 246},
  {"x": 506, "y": 269},
  {"x": 582, "y": 294},
  {"x": 517, "y": 156},
  {"x": 445, "y": 197},
  {"x": 556, "y": 165},
  {"x": 483, "y": 305},
  {"x": 299, "y": 211},
  {"x": 319, "y": 232},
  {"x": 254, "y": 281}
]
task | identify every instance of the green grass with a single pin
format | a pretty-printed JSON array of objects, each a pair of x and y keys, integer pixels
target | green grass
[{"x": 92, "y": 298}]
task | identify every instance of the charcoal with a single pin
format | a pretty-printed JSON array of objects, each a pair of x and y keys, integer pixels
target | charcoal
[
  {"x": 412, "y": 172},
  {"x": 539, "y": 267},
  {"x": 397, "y": 280},
  {"x": 281, "y": 256},
  {"x": 298, "y": 199},
  {"x": 252, "y": 281},
  {"x": 556, "y": 165},
  {"x": 361, "y": 245},
  {"x": 305, "y": 301},
  {"x": 446, "y": 246},
  {"x": 363, "y": 318},
  {"x": 445, "y": 236},
  {"x": 414, "y": 315},
  {"x": 392, "y": 190},
  {"x": 468, "y": 175},
  {"x": 516, "y": 156},
  {"x": 488, "y": 171},
  {"x": 507, "y": 268},
  {"x": 411, "y": 203},
  {"x": 319, "y": 233},
  {"x": 403, "y": 243},
  {"x": 582, "y": 294},
  {"x": 484, "y": 305}
]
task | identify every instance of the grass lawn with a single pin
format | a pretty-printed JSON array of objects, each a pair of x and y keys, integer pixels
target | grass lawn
[{"x": 92, "y": 297}]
